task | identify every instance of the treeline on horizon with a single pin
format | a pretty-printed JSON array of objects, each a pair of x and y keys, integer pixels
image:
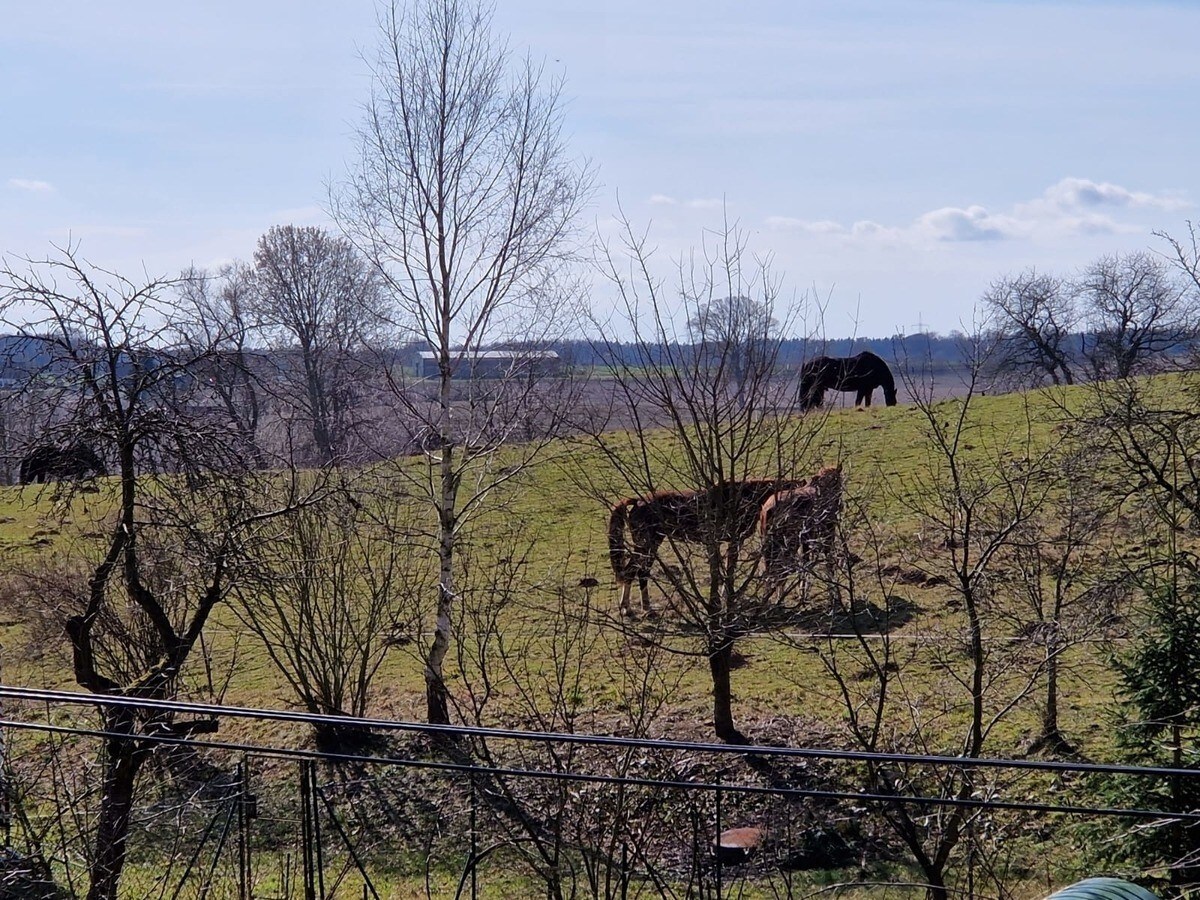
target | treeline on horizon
[{"x": 21, "y": 355}]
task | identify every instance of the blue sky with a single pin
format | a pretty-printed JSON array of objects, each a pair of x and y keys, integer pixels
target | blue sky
[{"x": 892, "y": 157}]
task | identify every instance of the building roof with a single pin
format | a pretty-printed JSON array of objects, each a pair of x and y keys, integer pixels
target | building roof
[{"x": 497, "y": 354}]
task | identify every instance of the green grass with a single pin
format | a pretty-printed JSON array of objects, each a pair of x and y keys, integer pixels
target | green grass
[
  {"x": 887, "y": 455},
  {"x": 885, "y": 452}
]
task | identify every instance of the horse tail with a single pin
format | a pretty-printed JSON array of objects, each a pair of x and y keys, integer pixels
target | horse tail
[
  {"x": 26, "y": 469},
  {"x": 616, "y": 540},
  {"x": 765, "y": 512}
]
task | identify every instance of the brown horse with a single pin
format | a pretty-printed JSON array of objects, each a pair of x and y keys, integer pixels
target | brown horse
[
  {"x": 725, "y": 512},
  {"x": 800, "y": 522}
]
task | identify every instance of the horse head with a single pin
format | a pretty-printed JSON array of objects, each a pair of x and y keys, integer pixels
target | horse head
[{"x": 812, "y": 388}]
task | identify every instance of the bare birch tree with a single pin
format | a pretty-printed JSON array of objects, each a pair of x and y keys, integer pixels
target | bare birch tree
[{"x": 464, "y": 198}]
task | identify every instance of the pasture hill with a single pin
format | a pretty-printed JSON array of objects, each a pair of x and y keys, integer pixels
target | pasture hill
[{"x": 1000, "y": 562}]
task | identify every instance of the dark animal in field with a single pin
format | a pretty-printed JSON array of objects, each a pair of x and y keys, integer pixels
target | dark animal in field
[
  {"x": 798, "y": 523},
  {"x": 862, "y": 374},
  {"x": 725, "y": 512},
  {"x": 48, "y": 463}
]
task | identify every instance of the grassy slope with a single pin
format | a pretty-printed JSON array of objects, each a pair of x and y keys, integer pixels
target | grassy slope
[
  {"x": 882, "y": 449},
  {"x": 885, "y": 452}
]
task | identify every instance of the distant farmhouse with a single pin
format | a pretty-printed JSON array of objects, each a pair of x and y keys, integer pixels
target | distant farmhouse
[{"x": 494, "y": 363}]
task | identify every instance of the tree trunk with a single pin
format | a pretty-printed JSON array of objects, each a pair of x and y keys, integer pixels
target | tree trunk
[
  {"x": 1050, "y": 713},
  {"x": 319, "y": 408},
  {"x": 437, "y": 704},
  {"x": 935, "y": 887},
  {"x": 437, "y": 701},
  {"x": 720, "y": 657},
  {"x": 1050, "y": 739},
  {"x": 123, "y": 761}
]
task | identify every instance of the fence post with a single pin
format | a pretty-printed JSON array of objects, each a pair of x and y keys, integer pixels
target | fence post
[
  {"x": 716, "y": 845},
  {"x": 306, "y": 842},
  {"x": 5, "y": 808},
  {"x": 624, "y": 871},
  {"x": 472, "y": 860},
  {"x": 319, "y": 854},
  {"x": 246, "y": 804}
]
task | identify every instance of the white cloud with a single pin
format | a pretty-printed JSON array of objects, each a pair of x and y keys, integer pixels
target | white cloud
[
  {"x": 787, "y": 223},
  {"x": 974, "y": 223},
  {"x": 1070, "y": 207},
  {"x": 1082, "y": 193},
  {"x": 663, "y": 200},
  {"x": 32, "y": 185},
  {"x": 867, "y": 228}
]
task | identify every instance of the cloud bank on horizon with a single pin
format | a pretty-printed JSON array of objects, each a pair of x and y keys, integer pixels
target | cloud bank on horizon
[
  {"x": 892, "y": 157},
  {"x": 1073, "y": 206}
]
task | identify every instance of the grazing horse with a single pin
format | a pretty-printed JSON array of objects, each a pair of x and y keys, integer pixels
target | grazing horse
[
  {"x": 799, "y": 522},
  {"x": 726, "y": 512},
  {"x": 862, "y": 373},
  {"x": 48, "y": 463}
]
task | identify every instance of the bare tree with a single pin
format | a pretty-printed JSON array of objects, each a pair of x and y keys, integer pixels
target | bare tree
[
  {"x": 214, "y": 320},
  {"x": 721, "y": 437},
  {"x": 733, "y": 329},
  {"x": 1036, "y": 316},
  {"x": 464, "y": 198},
  {"x": 1145, "y": 436},
  {"x": 1185, "y": 257},
  {"x": 328, "y": 595},
  {"x": 1135, "y": 311},
  {"x": 317, "y": 298},
  {"x": 1072, "y": 584},
  {"x": 165, "y": 561},
  {"x": 973, "y": 494}
]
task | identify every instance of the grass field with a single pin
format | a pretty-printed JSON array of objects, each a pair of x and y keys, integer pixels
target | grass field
[{"x": 543, "y": 647}]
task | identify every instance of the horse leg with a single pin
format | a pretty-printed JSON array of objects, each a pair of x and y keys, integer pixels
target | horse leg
[
  {"x": 781, "y": 553},
  {"x": 626, "y": 590},
  {"x": 771, "y": 565},
  {"x": 644, "y": 585}
]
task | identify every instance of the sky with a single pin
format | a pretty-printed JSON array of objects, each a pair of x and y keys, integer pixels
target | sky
[{"x": 891, "y": 159}]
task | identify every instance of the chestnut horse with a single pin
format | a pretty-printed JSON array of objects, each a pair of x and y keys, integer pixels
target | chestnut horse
[
  {"x": 862, "y": 373},
  {"x": 727, "y": 512},
  {"x": 799, "y": 522}
]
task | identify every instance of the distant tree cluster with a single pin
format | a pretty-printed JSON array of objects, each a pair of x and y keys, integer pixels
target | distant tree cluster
[{"x": 1123, "y": 315}]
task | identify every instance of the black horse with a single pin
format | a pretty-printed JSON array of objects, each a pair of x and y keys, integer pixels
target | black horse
[
  {"x": 862, "y": 373},
  {"x": 48, "y": 463}
]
